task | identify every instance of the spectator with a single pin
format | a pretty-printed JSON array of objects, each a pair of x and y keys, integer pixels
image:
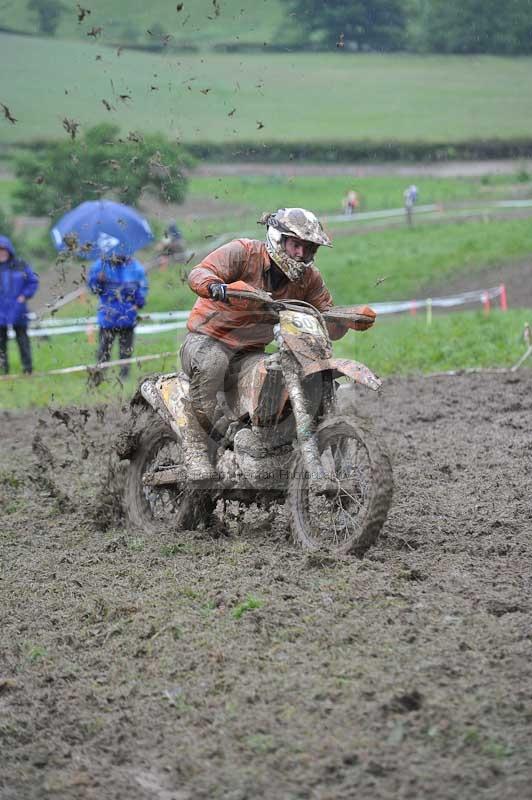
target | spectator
[
  {"x": 18, "y": 282},
  {"x": 171, "y": 247},
  {"x": 410, "y": 197},
  {"x": 121, "y": 284},
  {"x": 351, "y": 202}
]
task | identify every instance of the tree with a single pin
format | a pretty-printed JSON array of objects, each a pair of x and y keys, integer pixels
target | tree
[
  {"x": 6, "y": 225},
  {"x": 100, "y": 164},
  {"x": 362, "y": 24},
  {"x": 479, "y": 26},
  {"x": 48, "y": 13}
]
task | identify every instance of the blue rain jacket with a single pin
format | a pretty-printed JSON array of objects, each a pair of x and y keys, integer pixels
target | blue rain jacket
[
  {"x": 16, "y": 279},
  {"x": 122, "y": 289}
]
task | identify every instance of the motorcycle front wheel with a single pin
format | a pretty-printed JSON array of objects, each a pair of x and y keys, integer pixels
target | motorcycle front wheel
[
  {"x": 153, "y": 507},
  {"x": 349, "y": 518}
]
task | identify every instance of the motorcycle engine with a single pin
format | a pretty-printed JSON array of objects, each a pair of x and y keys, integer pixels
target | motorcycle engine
[{"x": 263, "y": 464}]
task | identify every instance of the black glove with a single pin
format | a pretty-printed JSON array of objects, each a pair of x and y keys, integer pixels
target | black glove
[{"x": 218, "y": 291}]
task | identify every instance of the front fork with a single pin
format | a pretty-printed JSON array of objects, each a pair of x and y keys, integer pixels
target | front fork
[{"x": 305, "y": 428}]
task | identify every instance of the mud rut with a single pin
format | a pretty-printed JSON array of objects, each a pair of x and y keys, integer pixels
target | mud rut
[{"x": 126, "y": 673}]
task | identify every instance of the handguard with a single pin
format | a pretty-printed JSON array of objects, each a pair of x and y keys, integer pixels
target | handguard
[{"x": 359, "y": 318}]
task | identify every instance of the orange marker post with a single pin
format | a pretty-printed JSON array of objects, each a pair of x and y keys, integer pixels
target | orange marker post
[{"x": 504, "y": 298}]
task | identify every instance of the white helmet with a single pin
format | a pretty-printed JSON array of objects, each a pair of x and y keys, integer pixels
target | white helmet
[{"x": 292, "y": 222}]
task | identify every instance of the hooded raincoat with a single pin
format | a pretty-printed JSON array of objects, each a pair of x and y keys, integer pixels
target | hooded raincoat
[
  {"x": 122, "y": 289},
  {"x": 17, "y": 279}
]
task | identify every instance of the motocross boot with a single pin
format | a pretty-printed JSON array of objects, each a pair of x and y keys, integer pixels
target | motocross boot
[{"x": 196, "y": 449}]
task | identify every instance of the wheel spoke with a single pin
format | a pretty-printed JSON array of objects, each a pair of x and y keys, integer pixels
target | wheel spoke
[
  {"x": 336, "y": 520},
  {"x": 350, "y": 496},
  {"x": 165, "y": 500},
  {"x": 334, "y": 525},
  {"x": 345, "y": 512}
]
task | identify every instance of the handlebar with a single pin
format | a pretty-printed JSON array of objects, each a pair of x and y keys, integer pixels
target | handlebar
[
  {"x": 257, "y": 295},
  {"x": 337, "y": 314}
]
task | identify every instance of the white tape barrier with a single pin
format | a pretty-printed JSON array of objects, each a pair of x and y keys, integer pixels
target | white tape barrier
[
  {"x": 384, "y": 214},
  {"x": 176, "y": 320},
  {"x": 62, "y": 321},
  {"x": 139, "y": 329},
  {"x": 215, "y": 242},
  {"x": 90, "y": 368},
  {"x": 441, "y": 208},
  {"x": 477, "y": 296},
  {"x": 166, "y": 321}
]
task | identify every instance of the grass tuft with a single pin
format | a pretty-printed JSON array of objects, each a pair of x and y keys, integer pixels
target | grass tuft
[{"x": 248, "y": 605}]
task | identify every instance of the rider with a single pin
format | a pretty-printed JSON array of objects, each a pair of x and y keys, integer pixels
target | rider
[{"x": 222, "y": 332}]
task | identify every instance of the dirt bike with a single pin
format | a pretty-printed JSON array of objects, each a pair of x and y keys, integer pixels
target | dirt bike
[{"x": 278, "y": 436}]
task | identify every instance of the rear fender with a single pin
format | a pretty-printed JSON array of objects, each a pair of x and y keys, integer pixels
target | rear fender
[
  {"x": 358, "y": 372},
  {"x": 165, "y": 395}
]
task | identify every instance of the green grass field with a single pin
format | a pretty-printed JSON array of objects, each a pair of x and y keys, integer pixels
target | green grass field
[
  {"x": 413, "y": 259},
  {"x": 197, "y": 22},
  {"x": 397, "y": 345},
  {"x": 403, "y": 345},
  {"x": 70, "y": 350},
  {"x": 234, "y": 205},
  {"x": 250, "y": 196},
  {"x": 409, "y": 260},
  {"x": 339, "y": 96},
  {"x": 326, "y": 193}
]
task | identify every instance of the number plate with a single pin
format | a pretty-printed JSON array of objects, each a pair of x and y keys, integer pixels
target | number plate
[{"x": 296, "y": 323}]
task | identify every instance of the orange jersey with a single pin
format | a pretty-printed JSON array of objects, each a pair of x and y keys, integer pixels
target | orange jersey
[{"x": 245, "y": 324}]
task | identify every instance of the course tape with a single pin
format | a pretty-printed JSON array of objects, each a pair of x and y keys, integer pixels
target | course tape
[
  {"x": 89, "y": 368},
  {"x": 476, "y": 296},
  {"x": 480, "y": 295},
  {"x": 161, "y": 321}
]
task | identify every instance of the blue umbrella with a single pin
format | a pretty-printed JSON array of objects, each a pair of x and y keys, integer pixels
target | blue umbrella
[{"x": 101, "y": 228}]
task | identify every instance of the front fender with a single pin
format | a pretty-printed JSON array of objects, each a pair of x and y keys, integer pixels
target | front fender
[{"x": 343, "y": 366}]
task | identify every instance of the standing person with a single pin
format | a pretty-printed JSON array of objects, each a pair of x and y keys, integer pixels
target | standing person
[
  {"x": 223, "y": 334},
  {"x": 18, "y": 282},
  {"x": 171, "y": 247},
  {"x": 410, "y": 197},
  {"x": 351, "y": 202},
  {"x": 122, "y": 287}
]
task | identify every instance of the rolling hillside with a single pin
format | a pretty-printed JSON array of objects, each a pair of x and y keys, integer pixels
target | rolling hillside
[
  {"x": 263, "y": 97},
  {"x": 199, "y": 21}
]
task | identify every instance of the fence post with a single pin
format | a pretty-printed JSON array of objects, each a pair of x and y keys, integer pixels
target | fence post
[
  {"x": 486, "y": 304},
  {"x": 504, "y": 298},
  {"x": 429, "y": 311}
]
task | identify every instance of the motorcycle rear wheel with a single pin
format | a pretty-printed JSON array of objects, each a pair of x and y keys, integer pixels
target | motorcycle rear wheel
[
  {"x": 350, "y": 520},
  {"x": 152, "y": 508}
]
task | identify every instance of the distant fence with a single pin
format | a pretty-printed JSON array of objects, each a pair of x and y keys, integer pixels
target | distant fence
[{"x": 162, "y": 321}]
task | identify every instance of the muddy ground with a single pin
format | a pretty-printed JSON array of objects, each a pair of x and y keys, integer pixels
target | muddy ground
[{"x": 129, "y": 669}]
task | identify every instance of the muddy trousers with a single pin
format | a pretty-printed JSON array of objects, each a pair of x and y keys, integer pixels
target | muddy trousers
[
  {"x": 125, "y": 345},
  {"x": 23, "y": 341},
  {"x": 207, "y": 362}
]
